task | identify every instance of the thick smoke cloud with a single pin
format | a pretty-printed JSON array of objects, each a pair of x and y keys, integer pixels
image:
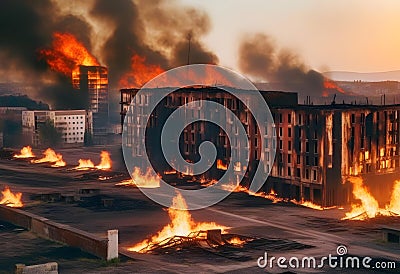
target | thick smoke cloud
[
  {"x": 260, "y": 58},
  {"x": 25, "y": 28}
]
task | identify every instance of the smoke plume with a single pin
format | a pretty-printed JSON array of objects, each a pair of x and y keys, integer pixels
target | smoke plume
[{"x": 260, "y": 58}]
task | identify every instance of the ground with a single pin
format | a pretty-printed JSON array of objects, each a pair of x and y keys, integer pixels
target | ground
[{"x": 281, "y": 229}]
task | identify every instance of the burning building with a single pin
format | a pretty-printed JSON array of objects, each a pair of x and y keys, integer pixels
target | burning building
[
  {"x": 317, "y": 146},
  {"x": 72, "y": 126},
  {"x": 93, "y": 80}
]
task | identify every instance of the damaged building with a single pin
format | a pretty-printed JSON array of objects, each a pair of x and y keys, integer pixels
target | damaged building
[{"x": 317, "y": 147}]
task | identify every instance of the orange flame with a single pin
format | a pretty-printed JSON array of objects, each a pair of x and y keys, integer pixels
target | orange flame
[
  {"x": 10, "y": 199},
  {"x": 369, "y": 207},
  {"x": 236, "y": 241},
  {"x": 141, "y": 180},
  {"x": 84, "y": 164},
  {"x": 67, "y": 53},
  {"x": 329, "y": 86},
  {"x": 105, "y": 163},
  {"x": 26, "y": 152},
  {"x": 140, "y": 73},
  {"x": 221, "y": 165},
  {"x": 239, "y": 188},
  {"x": 50, "y": 156},
  {"x": 181, "y": 224},
  {"x": 394, "y": 205}
]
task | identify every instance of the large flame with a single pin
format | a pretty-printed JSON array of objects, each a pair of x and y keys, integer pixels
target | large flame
[
  {"x": 26, "y": 152},
  {"x": 329, "y": 86},
  {"x": 10, "y": 199},
  {"x": 105, "y": 163},
  {"x": 50, "y": 156},
  {"x": 236, "y": 241},
  {"x": 181, "y": 224},
  {"x": 140, "y": 73},
  {"x": 67, "y": 53},
  {"x": 85, "y": 164},
  {"x": 141, "y": 180},
  {"x": 239, "y": 188},
  {"x": 369, "y": 206}
]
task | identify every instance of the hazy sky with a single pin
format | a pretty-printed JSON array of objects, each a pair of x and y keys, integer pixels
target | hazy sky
[{"x": 355, "y": 35}]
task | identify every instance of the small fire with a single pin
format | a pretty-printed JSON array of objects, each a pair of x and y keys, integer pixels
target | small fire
[
  {"x": 330, "y": 85},
  {"x": 67, "y": 53},
  {"x": 181, "y": 224},
  {"x": 309, "y": 204},
  {"x": 26, "y": 152},
  {"x": 221, "y": 165},
  {"x": 10, "y": 199},
  {"x": 84, "y": 164},
  {"x": 105, "y": 163},
  {"x": 239, "y": 188},
  {"x": 50, "y": 156},
  {"x": 236, "y": 241},
  {"x": 141, "y": 180},
  {"x": 140, "y": 73}
]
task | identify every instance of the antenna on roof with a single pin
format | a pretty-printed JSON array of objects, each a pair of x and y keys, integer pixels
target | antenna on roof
[{"x": 189, "y": 37}]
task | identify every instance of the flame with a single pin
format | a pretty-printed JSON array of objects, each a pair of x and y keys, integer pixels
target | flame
[
  {"x": 369, "y": 207},
  {"x": 26, "y": 152},
  {"x": 394, "y": 205},
  {"x": 67, "y": 53},
  {"x": 84, "y": 164},
  {"x": 140, "y": 73},
  {"x": 221, "y": 165},
  {"x": 239, "y": 188},
  {"x": 236, "y": 241},
  {"x": 330, "y": 85},
  {"x": 50, "y": 156},
  {"x": 10, "y": 199},
  {"x": 105, "y": 163},
  {"x": 181, "y": 224},
  {"x": 141, "y": 180},
  {"x": 309, "y": 204}
]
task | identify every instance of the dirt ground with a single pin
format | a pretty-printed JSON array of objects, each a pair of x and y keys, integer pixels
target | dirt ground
[{"x": 283, "y": 229}]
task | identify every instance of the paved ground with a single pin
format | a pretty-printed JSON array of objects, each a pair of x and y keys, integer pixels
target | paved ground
[{"x": 136, "y": 217}]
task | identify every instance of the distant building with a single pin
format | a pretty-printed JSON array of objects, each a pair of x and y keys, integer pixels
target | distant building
[
  {"x": 73, "y": 125},
  {"x": 94, "y": 81},
  {"x": 10, "y": 125},
  {"x": 317, "y": 146}
]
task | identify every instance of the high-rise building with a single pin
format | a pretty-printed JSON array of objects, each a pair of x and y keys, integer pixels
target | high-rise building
[
  {"x": 316, "y": 147},
  {"x": 94, "y": 81}
]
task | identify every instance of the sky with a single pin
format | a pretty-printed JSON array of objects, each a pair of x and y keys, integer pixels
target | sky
[{"x": 348, "y": 35}]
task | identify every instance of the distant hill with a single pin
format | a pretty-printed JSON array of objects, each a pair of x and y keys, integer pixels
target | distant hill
[{"x": 367, "y": 76}]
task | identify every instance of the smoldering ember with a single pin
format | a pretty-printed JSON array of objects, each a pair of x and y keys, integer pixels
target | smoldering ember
[{"x": 82, "y": 157}]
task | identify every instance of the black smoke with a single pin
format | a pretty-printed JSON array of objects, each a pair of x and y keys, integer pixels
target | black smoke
[{"x": 259, "y": 57}]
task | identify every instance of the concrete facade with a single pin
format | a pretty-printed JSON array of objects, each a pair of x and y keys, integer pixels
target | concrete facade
[
  {"x": 72, "y": 124},
  {"x": 317, "y": 146}
]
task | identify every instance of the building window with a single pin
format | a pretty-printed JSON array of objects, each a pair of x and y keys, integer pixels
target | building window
[
  {"x": 289, "y": 158},
  {"x": 289, "y": 171},
  {"x": 298, "y": 172},
  {"x": 307, "y": 174},
  {"x": 307, "y": 147},
  {"x": 280, "y": 118},
  {"x": 298, "y": 159},
  {"x": 316, "y": 161},
  {"x": 316, "y": 147},
  {"x": 314, "y": 175},
  {"x": 289, "y": 132},
  {"x": 280, "y": 144},
  {"x": 289, "y": 145},
  {"x": 353, "y": 118},
  {"x": 280, "y": 131},
  {"x": 307, "y": 160},
  {"x": 289, "y": 118}
]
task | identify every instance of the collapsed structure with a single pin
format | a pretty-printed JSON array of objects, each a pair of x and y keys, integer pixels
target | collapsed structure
[{"x": 317, "y": 146}]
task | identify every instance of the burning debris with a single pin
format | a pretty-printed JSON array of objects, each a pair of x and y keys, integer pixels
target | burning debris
[
  {"x": 26, "y": 152},
  {"x": 369, "y": 207},
  {"x": 87, "y": 164},
  {"x": 105, "y": 162},
  {"x": 141, "y": 180},
  {"x": 10, "y": 199},
  {"x": 50, "y": 156},
  {"x": 181, "y": 225}
]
